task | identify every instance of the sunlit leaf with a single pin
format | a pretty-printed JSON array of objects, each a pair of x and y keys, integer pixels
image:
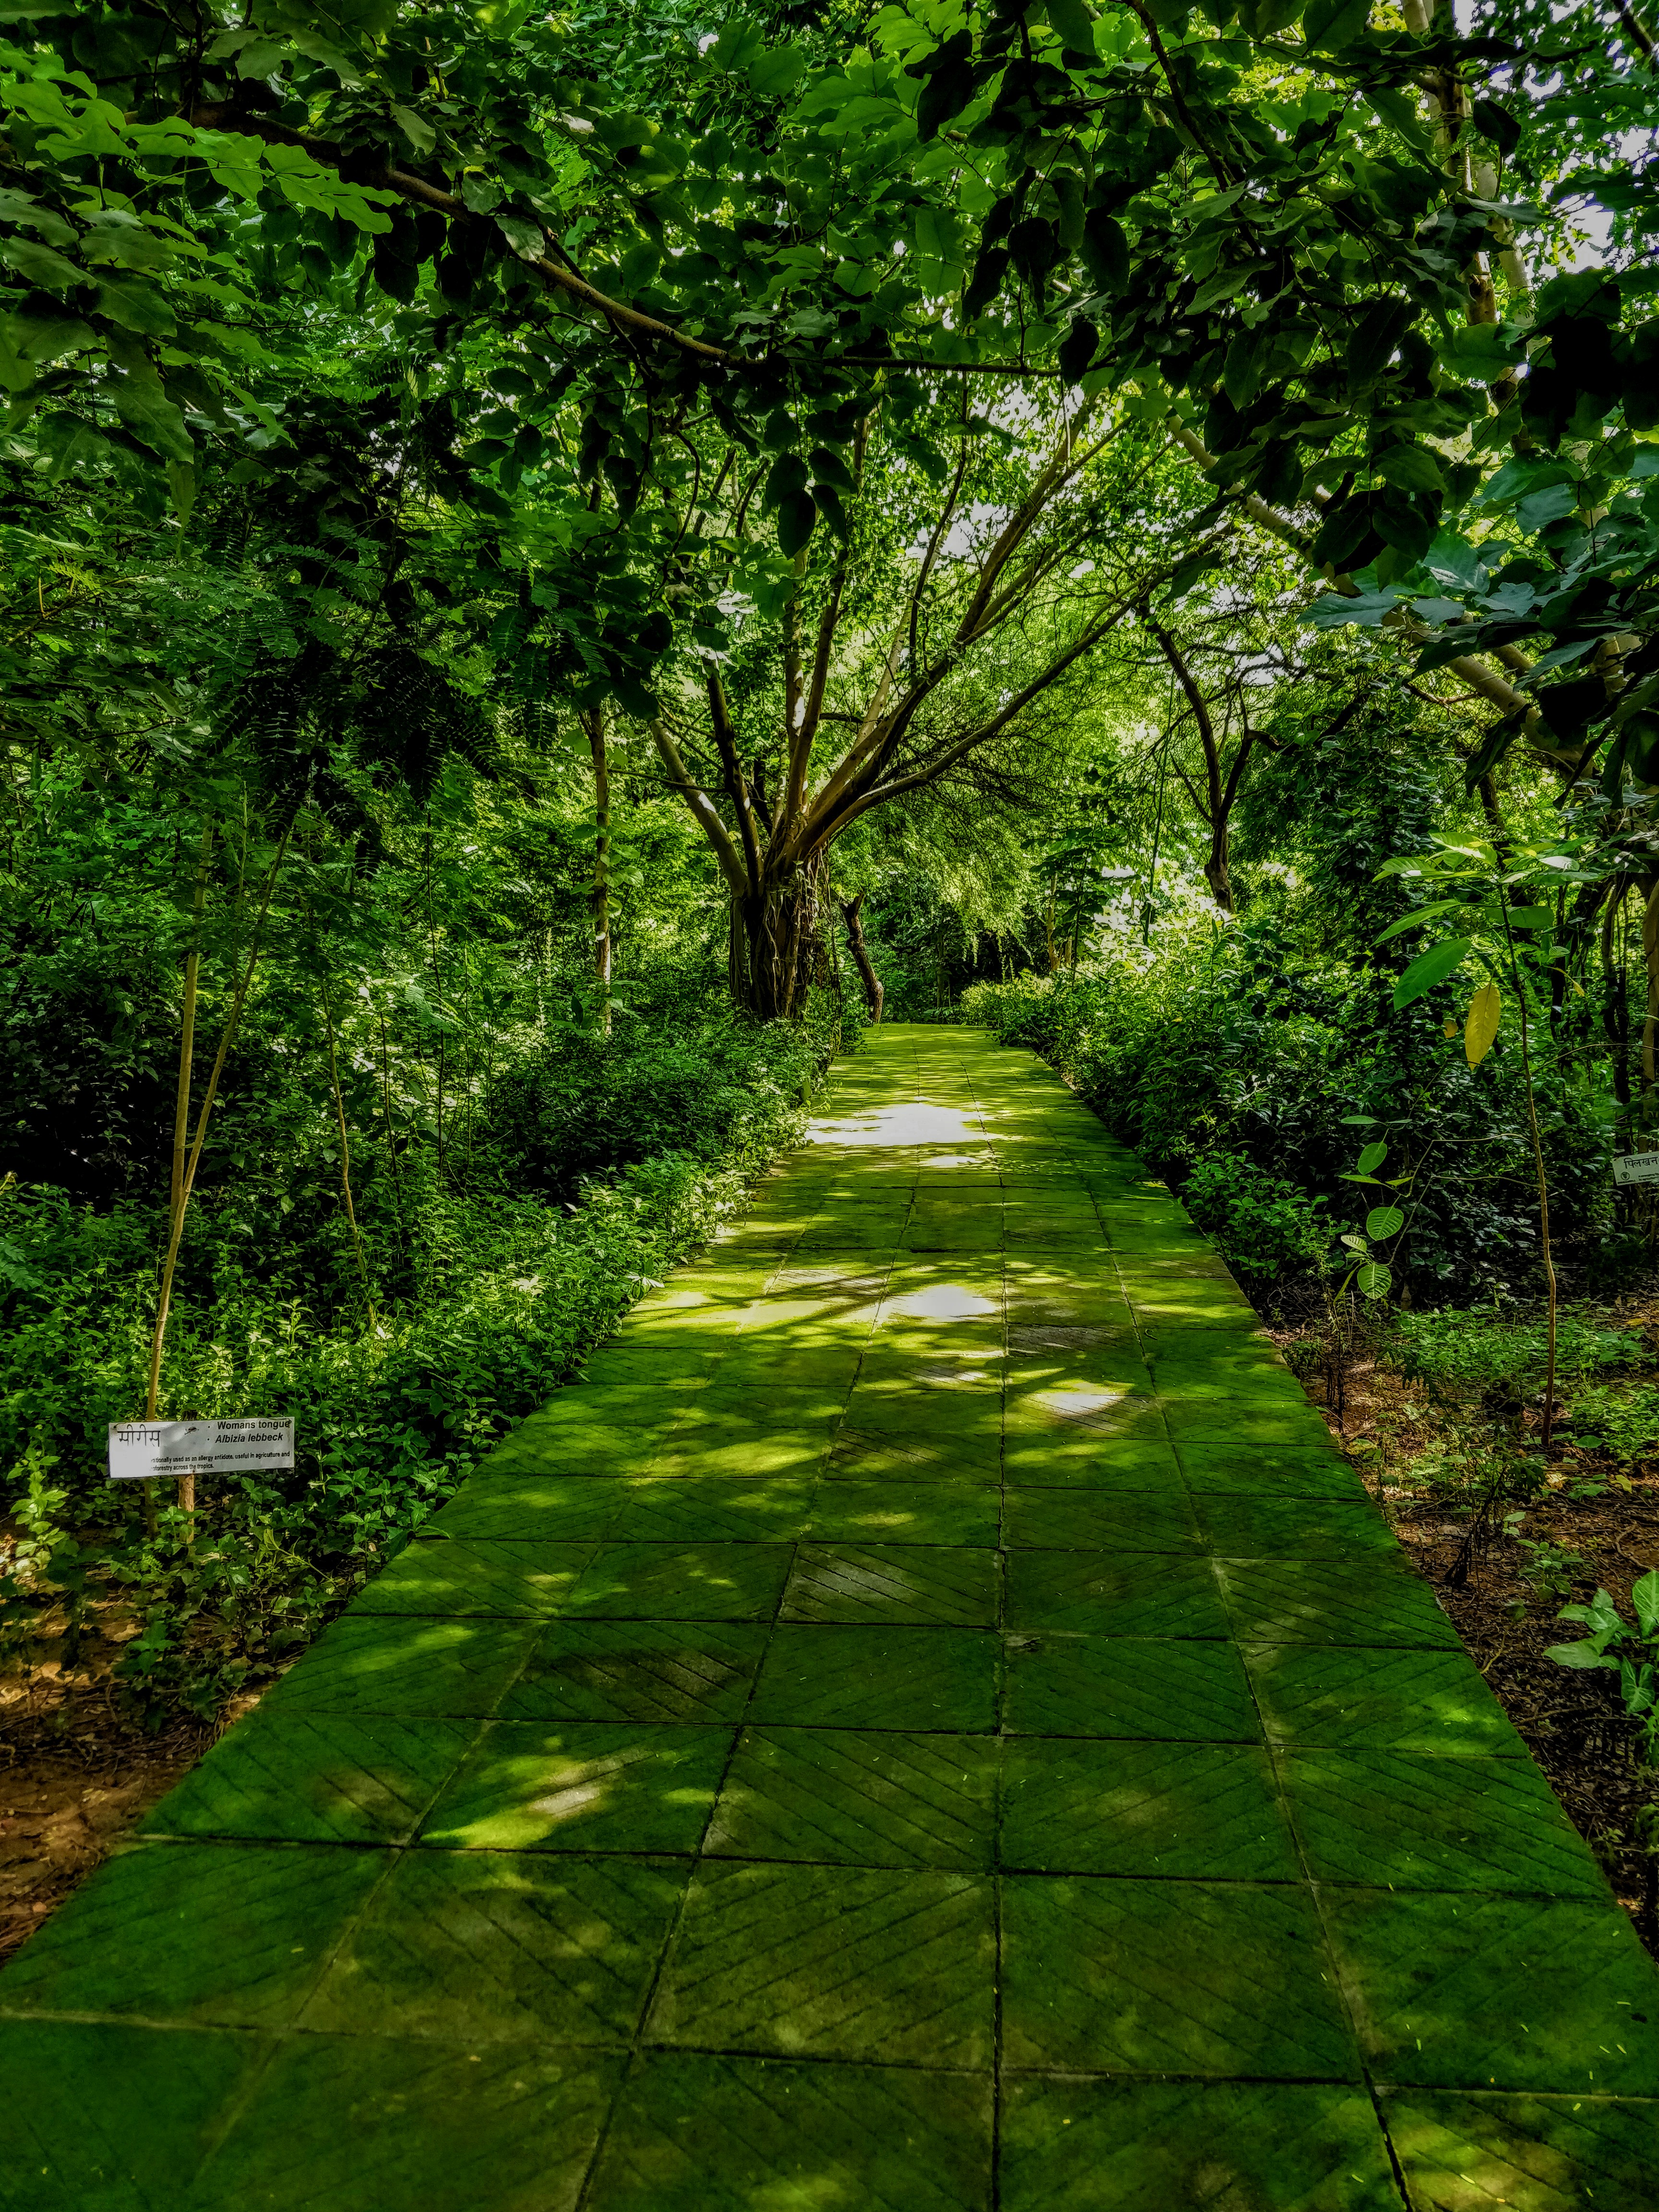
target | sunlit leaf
[{"x": 1481, "y": 1027}]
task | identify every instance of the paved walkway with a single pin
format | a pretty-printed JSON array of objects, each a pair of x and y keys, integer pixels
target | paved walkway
[{"x": 929, "y": 1724}]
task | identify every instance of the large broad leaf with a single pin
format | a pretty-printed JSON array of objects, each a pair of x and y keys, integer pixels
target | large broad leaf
[
  {"x": 1644, "y": 1596},
  {"x": 1429, "y": 969},
  {"x": 1074, "y": 21},
  {"x": 137, "y": 305},
  {"x": 1583, "y": 1654},
  {"x": 797, "y": 515},
  {"x": 1491, "y": 750},
  {"x": 1372, "y": 1158},
  {"x": 1332, "y": 23},
  {"x": 1482, "y": 1028},
  {"x": 1374, "y": 1281},
  {"x": 1382, "y": 1222},
  {"x": 153, "y": 419}
]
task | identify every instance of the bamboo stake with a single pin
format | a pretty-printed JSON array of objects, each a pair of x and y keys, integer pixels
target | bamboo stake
[
  {"x": 345, "y": 1155},
  {"x": 188, "y": 1183},
  {"x": 180, "y": 1138}
]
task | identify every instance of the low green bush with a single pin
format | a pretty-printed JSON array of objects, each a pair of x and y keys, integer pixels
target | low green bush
[
  {"x": 514, "y": 1289},
  {"x": 1265, "y": 1229}
]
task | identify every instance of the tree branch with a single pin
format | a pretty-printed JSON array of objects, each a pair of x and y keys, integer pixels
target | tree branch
[{"x": 702, "y": 808}]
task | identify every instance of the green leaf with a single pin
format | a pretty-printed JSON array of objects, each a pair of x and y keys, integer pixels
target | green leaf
[
  {"x": 798, "y": 514},
  {"x": 1585, "y": 1655},
  {"x": 787, "y": 479},
  {"x": 1374, "y": 1281},
  {"x": 1410, "y": 468},
  {"x": 1531, "y": 917},
  {"x": 1491, "y": 750},
  {"x": 38, "y": 264},
  {"x": 1331, "y": 24},
  {"x": 1430, "y": 968},
  {"x": 1372, "y": 1158},
  {"x": 153, "y": 419},
  {"x": 1644, "y": 1596},
  {"x": 523, "y": 235},
  {"x": 775, "y": 71},
  {"x": 416, "y": 128},
  {"x": 1105, "y": 251},
  {"x": 136, "y": 306},
  {"x": 1075, "y": 22},
  {"x": 1383, "y": 1222},
  {"x": 1077, "y": 348},
  {"x": 1416, "y": 919}
]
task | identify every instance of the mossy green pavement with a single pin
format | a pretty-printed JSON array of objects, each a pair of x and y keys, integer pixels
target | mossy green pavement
[{"x": 929, "y": 1723}]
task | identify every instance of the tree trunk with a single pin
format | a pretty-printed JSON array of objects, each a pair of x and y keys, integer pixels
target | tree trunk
[
  {"x": 775, "y": 944},
  {"x": 873, "y": 991},
  {"x": 592, "y": 721},
  {"x": 1216, "y": 873}
]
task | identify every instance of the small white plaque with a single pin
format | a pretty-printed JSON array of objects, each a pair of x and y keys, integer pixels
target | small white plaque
[
  {"x": 141, "y": 1450},
  {"x": 1636, "y": 1167}
]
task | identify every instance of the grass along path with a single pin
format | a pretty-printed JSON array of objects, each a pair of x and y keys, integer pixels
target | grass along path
[{"x": 930, "y": 1723}]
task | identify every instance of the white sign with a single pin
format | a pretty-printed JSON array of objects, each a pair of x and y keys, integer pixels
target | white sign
[
  {"x": 1636, "y": 1167},
  {"x": 141, "y": 1450}
]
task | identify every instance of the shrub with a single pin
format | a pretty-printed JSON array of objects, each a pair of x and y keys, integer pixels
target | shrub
[{"x": 1264, "y": 1228}]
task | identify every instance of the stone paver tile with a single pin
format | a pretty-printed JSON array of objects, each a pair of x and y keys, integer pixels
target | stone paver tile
[
  {"x": 471, "y": 1946},
  {"x": 1249, "y": 1471},
  {"x": 690, "y": 1359},
  {"x": 695, "y": 2134},
  {"x": 753, "y": 1414},
  {"x": 1490, "y": 2152},
  {"x": 1106, "y": 2145},
  {"x": 1183, "y": 1977},
  {"x": 1180, "y": 1810},
  {"x": 1112, "y": 1362},
  {"x": 1292, "y": 1528},
  {"x": 1076, "y": 1344},
  {"x": 217, "y": 1935},
  {"x": 1403, "y": 1822},
  {"x": 570, "y": 1449},
  {"x": 457, "y": 1577},
  {"x": 742, "y": 1450},
  {"x": 832, "y": 1962},
  {"x": 1194, "y": 1361},
  {"x": 947, "y": 1586},
  {"x": 101, "y": 2116},
  {"x": 864, "y": 1456},
  {"x": 906, "y": 1513},
  {"x": 895, "y": 1409},
  {"x": 682, "y": 1582},
  {"x": 1148, "y": 1593},
  {"x": 315, "y": 1778},
  {"x": 530, "y": 1509},
  {"x": 829, "y": 1676},
  {"x": 1100, "y": 1521},
  {"x": 1063, "y": 1462},
  {"x": 1357, "y": 1602},
  {"x": 1338, "y": 1695},
  {"x": 588, "y": 1786},
  {"x": 858, "y": 1798},
  {"x": 653, "y": 1407},
  {"x": 1079, "y": 1407},
  {"x": 1473, "y": 1992},
  {"x": 411, "y": 1669},
  {"x": 365, "y": 2123},
  {"x": 1124, "y": 1686},
  {"x": 759, "y": 1368},
  {"x": 658, "y": 1509},
  {"x": 687, "y": 1672},
  {"x": 1253, "y": 1420}
]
